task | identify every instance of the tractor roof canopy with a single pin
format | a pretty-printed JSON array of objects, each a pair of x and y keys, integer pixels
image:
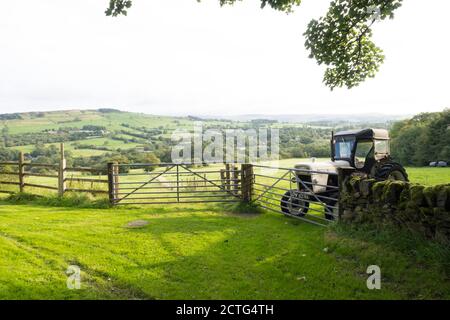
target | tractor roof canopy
[{"x": 381, "y": 134}]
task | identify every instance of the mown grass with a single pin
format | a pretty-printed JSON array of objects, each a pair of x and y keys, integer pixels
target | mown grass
[
  {"x": 196, "y": 252},
  {"x": 429, "y": 175}
]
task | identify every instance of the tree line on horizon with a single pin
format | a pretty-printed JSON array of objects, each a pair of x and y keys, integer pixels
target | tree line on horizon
[{"x": 422, "y": 139}]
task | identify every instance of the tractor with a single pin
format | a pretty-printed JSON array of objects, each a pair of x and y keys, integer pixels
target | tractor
[{"x": 363, "y": 152}]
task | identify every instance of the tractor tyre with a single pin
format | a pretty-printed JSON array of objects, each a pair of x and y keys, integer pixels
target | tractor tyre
[
  {"x": 391, "y": 171},
  {"x": 292, "y": 204}
]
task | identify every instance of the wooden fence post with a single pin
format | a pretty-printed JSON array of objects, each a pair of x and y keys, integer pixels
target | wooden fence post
[
  {"x": 116, "y": 180},
  {"x": 62, "y": 172},
  {"x": 21, "y": 172},
  {"x": 111, "y": 192},
  {"x": 235, "y": 179},
  {"x": 247, "y": 182},
  {"x": 227, "y": 176},
  {"x": 222, "y": 177}
]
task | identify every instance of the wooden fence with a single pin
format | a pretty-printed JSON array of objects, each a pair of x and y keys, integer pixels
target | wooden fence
[
  {"x": 20, "y": 171},
  {"x": 182, "y": 184}
]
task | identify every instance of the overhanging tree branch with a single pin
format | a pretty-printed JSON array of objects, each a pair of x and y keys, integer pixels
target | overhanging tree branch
[{"x": 331, "y": 38}]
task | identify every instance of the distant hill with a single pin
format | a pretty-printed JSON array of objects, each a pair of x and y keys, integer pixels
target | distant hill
[
  {"x": 110, "y": 118},
  {"x": 308, "y": 118},
  {"x": 92, "y": 132}
]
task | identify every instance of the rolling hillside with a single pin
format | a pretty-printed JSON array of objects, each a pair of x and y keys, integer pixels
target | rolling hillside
[
  {"x": 122, "y": 130},
  {"x": 89, "y": 133}
]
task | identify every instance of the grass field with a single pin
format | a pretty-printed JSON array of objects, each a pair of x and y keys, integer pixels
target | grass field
[
  {"x": 205, "y": 252},
  {"x": 80, "y": 118},
  {"x": 429, "y": 176},
  {"x": 111, "y": 144},
  {"x": 197, "y": 252}
]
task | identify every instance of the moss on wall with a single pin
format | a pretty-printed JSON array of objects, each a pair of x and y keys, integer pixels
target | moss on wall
[{"x": 425, "y": 210}]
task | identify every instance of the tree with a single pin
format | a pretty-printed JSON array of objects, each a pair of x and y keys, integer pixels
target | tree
[
  {"x": 341, "y": 40},
  {"x": 422, "y": 139},
  {"x": 150, "y": 158}
]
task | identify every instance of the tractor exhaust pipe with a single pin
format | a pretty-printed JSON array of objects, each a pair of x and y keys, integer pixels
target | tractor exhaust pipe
[{"x": 332, "y": 145}]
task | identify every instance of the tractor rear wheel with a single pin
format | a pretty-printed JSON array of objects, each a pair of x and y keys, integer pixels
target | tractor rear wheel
[
  {"x": 391, "y": 171},
  {"x": 292, "y": 203}
]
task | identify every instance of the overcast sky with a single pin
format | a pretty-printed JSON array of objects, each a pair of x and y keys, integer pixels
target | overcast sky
[{"x": 184, "y": 57}]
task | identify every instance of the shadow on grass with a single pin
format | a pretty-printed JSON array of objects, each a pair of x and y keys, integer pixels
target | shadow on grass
[
  {"x": 213, "y": 252},
  {"x": 231, "y": 257}
]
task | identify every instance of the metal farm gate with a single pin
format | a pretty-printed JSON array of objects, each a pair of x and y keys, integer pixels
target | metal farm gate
[
  {"x": 171, "y": 183},
  {"x": 308, "y": 195}
]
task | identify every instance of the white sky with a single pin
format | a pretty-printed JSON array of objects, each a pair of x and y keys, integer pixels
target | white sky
[{"x": 184, "y": 57}]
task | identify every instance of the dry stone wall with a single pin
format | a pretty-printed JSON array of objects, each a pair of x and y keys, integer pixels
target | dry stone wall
[{"x": 417, "y": 208}]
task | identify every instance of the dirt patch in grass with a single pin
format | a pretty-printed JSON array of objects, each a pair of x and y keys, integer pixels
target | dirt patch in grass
[{"x": 137, "y": 224}]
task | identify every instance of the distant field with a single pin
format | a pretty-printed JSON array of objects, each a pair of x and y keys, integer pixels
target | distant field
[
  {"x": 80, "y": 118},
  {"x": 69, "y": 146},
  {"x": 429, "y": 176},
  {"x": 113, "y": 121}
]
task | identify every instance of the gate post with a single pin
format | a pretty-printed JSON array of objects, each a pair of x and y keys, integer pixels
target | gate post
[
  {"x": 343, "y": 174},
  {"x": 21, "y": 175},
  {"x": 235, "y": 180},
  {"x": 246, "y": 182},
  {"x": 113, "y": 182},
  {"x": 116, "y": 180},
  {"x": 227, "y": 176},
  {"x": 62, "y": 172},
  {"x": 222, "y": 178}
]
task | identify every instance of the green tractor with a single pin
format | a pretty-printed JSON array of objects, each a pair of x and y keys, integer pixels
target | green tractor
[{"x": 365, "y": 152}]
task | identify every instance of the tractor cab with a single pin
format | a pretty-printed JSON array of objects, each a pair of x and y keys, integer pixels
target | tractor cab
[
  {"x": 367, "y": 151},
  {"x": 364, "y": 151},
  {"x": 361, "y": 149}
]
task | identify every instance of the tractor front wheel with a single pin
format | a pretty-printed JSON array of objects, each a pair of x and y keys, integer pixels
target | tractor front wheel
[
  {"x": 391, "y": 171},
  {"x": 292, "y": 203}
]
